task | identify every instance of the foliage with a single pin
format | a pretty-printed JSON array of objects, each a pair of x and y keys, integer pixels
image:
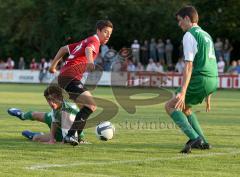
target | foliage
[{"x": 36, "y": 28}]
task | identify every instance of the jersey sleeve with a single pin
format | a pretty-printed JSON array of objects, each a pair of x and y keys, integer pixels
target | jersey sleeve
[
  {"x": 189, "y": 47},
  {"x": 71, "y": 47},
  {"x": 94, "y": 45}
]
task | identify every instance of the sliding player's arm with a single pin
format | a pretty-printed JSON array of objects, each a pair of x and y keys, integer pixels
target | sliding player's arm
[
  {"x": 53, "y": 131},
  {"x": 61, "y": 52}
]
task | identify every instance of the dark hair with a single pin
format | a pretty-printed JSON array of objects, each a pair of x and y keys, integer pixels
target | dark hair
[
  {"x": 103, "y": 23},
  {"x": 53, "y": 90},
  {"x": 189, "y": 11}
]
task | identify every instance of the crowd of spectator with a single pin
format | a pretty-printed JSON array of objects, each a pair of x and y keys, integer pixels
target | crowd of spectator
[
  {"x": 33, "y": 65},
  {"x": 158, "y": 57},
  {"x": 41, "y": 66},
  {"x": 223, "y": 50},
  {"x": 146, "y": 56}
]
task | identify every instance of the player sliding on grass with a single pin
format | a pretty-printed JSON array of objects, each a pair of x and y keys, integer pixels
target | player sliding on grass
[
  {"x": 59, "y": 120},
  {"x": 80, "y": 59},
  {"x": 200, "y": 79}
]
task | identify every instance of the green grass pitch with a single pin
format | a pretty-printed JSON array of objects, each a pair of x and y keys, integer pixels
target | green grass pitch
[{"x": 146, "y": 144}]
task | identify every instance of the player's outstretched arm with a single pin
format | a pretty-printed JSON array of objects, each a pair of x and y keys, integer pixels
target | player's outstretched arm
[{"x": 61, "y": 52}]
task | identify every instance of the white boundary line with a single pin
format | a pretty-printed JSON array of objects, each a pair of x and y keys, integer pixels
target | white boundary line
[{"x": 179, "y": 157}]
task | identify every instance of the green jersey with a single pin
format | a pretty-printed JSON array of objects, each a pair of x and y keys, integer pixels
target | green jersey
[
  {"x": 198, "y": 48},
  {"x": 67, "y": 110},
  {"x": 204, "y": 62},
  {"x": 65, "y": 116}
]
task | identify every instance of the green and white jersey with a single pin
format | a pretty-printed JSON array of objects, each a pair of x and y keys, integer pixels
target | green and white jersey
[
  {"x": 198, "y": 48},
  {"x": 65, "y": 116}
]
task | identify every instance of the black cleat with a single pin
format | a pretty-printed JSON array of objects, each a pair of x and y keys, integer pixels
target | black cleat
[
  {"x": 205, "y": 146},
  {"x": 71, "y": 140},
  {"x": 186, "y": 150},
  {"x": 197, "y": 144}
]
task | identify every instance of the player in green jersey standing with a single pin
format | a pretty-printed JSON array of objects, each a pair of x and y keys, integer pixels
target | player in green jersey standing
[{"x": 200, "y": 79}]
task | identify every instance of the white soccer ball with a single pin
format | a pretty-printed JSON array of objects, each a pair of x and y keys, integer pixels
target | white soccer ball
[{"x": 105, "y": 131}]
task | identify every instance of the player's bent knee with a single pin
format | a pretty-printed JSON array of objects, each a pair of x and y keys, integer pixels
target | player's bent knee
[
  {"x": 187, "y": 111},
  {"x": 93, "y": 108}
]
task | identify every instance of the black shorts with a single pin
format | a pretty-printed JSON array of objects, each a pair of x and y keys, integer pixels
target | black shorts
[{"x": 72, "y": 86}]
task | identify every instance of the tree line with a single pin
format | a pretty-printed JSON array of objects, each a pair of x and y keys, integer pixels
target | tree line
[{"x": 36, "y": 28}]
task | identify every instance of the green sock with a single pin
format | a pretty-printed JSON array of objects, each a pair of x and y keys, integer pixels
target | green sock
[
  {"x": 181, "y": 120},
  {"x": 192, "y": 119},
  {"x": 27, "y": 116}
]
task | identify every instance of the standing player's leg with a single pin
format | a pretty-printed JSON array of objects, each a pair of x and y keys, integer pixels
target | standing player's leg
[
  {"x": 197, "y": 92},
  {"x": 181, "y": 120},
  {"x": 193, "y": 120},
  {"x": 84, "y": 100},
  {"x": 87, "y": 106}
]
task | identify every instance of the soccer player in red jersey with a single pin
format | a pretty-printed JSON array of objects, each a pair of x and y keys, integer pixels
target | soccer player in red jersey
[{"x": 80, "y": 60}]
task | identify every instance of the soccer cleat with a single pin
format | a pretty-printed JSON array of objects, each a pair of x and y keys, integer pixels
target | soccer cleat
[
  {"x": 197, "y": 144},
  {"x": 29, "y": 134},
  {"x": 15, "y": 112},
  {"x": 71, "y": 140},
  {"x": 204, "y": 146}
]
